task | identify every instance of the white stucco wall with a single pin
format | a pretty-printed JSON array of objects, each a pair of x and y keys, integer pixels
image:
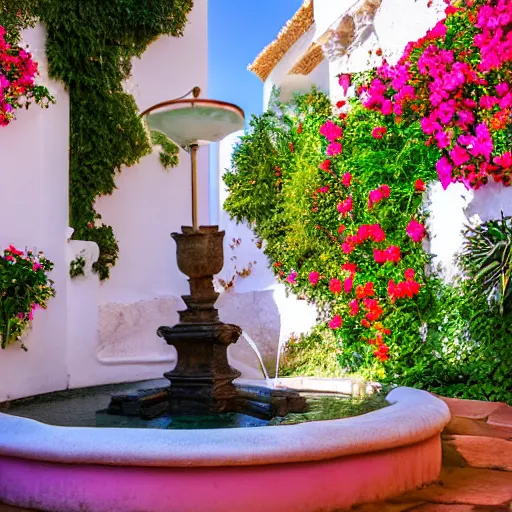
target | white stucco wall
[
  {"x": 96, "y": 333},
  {"x": 34, "y": 213}
]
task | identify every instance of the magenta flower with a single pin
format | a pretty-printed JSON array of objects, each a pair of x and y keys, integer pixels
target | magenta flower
[
  {"x": 345, "y": 206},
  {"x": 443, "y": 139},
  {"x": 444, "y": 171},
  {"x": 354, "y": 307},
  {"x": 346, "y": 179},
  {"x": 314, "y": 277},
  {"x": 336, "y": 322},
  {"x": 292, "y": 277},
  {"x": 334, "y": 148},
  {"x": 415, "y": 230},
  {"x": 331, "y": 131},
  {"x": 459, "y": 155},
  {"x": 344, "y": 82}
]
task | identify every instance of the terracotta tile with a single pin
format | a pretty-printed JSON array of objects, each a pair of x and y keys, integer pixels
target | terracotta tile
[
  {"x": 438, "y": 507},
  {"x": 382, "y": 506},
  {"x": 474, "y": 409},
  {"x": 469, "y": 427},
  {"x": 467, "y": 486},
  {"x": 502, "y": 417},
  {"x": 481, "y": 452}
]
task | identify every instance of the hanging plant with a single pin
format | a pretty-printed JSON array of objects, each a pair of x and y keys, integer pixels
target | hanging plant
[
  {"x": 24, "y": 286},
  {"x": 17, "y": 81}
]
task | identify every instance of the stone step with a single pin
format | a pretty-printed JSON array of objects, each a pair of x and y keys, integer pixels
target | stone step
[
  {"x": 477, "y": 452},
  {"x": 464, "y": 486}
]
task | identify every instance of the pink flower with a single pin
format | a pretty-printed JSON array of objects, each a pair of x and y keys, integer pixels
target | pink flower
[
  {"x": 348, "y": 284},
  {"x": 378, "y": 132},
  {"x": 354, "y": 307},
  {"x": 336, "y": 322},
  {"x": 346, "y": 179},
  {"x": 314, "y": 277},
  {"x": 331, "y": 131},
  {"x": 415, "y": 230},
  {"x": 36, "y": 267},
  {"x": 334, "y": 148},
  {"x": 292, "y": 277}
]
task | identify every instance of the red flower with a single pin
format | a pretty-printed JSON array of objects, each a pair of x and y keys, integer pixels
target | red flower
[
  {"x": 419, "y": 186},
  {"x": 382, "y": 352},
  {"x": 360, "y": 292},
  {"x": 379, "y": 131},
  {"x": 368, "y": 289},
  {"x": 341, "y": 104},
  {"x": 291, "y": 146},
  {"x": 299, "y": 128},
  {"x": 335, "y": 286},
  {"x": 341, "y": 229},
  {"x": 409, "y": 274},
  {"x": 365, "y": 323},
  {"x": 349, "y": 267},
  {"x": 325, "y": 166}
]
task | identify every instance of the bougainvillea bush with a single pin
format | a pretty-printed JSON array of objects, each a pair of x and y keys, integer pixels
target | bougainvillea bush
[
  {"x": 17, "y": 86},
  {"x": 338, "y": 204},
  {"x": 457, "y": 81},
  {"x": 336, "y": 195},
  {"x": 24, "y": 287}
]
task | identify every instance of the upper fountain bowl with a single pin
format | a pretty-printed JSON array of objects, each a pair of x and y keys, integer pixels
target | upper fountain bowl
[{"x": 195, "y": 121}]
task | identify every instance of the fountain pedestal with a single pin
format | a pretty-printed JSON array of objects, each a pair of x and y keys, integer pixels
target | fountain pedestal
[{"x": 202, "y": 381}]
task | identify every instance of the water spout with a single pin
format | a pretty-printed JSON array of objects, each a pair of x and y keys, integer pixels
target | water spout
[{"x": 254, "y": 347}]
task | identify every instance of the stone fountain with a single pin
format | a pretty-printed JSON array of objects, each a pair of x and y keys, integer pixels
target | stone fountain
[{"x": 202, "y": 381}]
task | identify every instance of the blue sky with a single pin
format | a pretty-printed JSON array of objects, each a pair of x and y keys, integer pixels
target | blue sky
[{"x": 238, "y": 31}]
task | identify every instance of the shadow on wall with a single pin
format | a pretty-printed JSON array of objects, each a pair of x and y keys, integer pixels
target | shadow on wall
[
  {"x": 258, "y": 315},
  {"x": 128, "y": 331}
]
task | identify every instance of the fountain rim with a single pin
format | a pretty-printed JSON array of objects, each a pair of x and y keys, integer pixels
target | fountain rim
[{"x": 414, "y": 416}]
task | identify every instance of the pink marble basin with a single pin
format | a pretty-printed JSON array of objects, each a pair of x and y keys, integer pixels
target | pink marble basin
[{"x": 318, "y": 466}]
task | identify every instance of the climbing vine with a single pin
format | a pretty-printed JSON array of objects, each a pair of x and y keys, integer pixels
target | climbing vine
[{"x": 90, "y": 46}]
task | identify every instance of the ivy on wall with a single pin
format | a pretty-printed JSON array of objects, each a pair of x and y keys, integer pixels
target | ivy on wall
[{"x": 90, "y": 46}]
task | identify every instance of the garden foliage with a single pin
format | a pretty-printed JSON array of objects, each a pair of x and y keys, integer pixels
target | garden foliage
[{"x": 336, "y": 195}]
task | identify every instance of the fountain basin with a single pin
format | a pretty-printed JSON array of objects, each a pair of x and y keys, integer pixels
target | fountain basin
[{"x": 317, "y": 466}]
